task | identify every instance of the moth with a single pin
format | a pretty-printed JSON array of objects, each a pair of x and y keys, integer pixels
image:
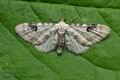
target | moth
[{"x": 56, "y": 36}]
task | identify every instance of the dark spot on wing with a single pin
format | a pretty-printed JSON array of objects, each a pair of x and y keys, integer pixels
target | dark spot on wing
[
  {"x": 32, "y": 26},
  {"x": 91, "y": 27}
]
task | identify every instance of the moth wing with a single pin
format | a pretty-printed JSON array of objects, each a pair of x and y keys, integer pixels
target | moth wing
[
  {"x": 94, "y": 35},
  {"x": 73, "y": 45},
  {"x": 24, "y": 31},
  {"x": 49, "y": 44}
]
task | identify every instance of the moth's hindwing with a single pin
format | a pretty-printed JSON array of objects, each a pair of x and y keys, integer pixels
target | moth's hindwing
[
  {"x": 49, "y": 45},
  {"x": 73, "y": 45}
]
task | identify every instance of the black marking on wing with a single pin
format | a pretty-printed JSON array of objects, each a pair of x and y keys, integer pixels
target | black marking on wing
[
  {"x": 32, "y": 26},
  {"x": 91, "y": 27}
]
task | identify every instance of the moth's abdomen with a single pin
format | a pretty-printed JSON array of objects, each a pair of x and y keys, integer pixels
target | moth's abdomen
[{"x": 61, "y": 43}]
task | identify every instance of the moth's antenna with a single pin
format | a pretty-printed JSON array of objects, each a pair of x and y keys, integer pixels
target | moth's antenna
[
  {"x": 62, "y": 19},
  {"x": 62, "y": 16},
  {"x": 72, "y": 19}
]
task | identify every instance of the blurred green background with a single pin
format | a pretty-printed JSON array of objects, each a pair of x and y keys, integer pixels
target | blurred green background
[{"x": 20, "y": 60}]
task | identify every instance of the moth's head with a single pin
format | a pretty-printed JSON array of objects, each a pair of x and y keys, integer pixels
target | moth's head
[
  {"x": 61, "y": 24},
  {"x": 22, "y": 27}
]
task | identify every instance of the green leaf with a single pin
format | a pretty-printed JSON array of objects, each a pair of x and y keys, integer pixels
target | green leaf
[{"x": 20, "y": 60}]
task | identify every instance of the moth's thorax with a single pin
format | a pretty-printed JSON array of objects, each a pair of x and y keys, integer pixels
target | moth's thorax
[
  {"x": 62, "y": 27},
  {"x": 61, "y": 30}
]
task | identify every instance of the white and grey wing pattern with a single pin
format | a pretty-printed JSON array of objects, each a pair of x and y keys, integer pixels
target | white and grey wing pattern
[
  {"x": 32, "y": 32},
  {"x": 80, "y": 36},
  {"x": 73, "y": 45},
  {"x": 41, "y": 35},
  {"x": 49, "y": 45},
  {"x": 92, "y": 32},
  {"x": 76, "y": 37}
]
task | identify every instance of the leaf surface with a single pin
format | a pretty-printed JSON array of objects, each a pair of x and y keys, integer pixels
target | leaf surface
[{"x": 20, "y": 60}]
